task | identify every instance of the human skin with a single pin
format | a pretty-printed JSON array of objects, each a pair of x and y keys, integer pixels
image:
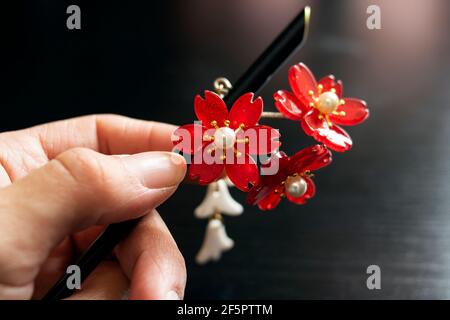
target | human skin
[{"x": 61, "y": 183}]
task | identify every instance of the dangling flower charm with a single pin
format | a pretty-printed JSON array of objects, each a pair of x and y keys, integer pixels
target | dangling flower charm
[
  {"x": 320, "y": 107},
  {"x": 225, "y": 140},
  {"x": 292, "y": 179}
]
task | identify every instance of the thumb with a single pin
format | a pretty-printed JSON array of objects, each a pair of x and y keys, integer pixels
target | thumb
[{"x": 77, "y": 189}]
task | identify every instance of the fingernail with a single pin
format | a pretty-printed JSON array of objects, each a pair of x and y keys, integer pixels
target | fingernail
[
  {"x": 157, "y": 169},
  {"x": 172, "y": 295}
]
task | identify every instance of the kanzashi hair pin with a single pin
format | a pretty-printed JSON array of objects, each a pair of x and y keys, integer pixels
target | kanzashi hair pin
[{"x": 222, "y": 146}]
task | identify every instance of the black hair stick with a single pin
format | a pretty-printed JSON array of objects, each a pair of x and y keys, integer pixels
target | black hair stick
[{"x": 251, "y": 81}]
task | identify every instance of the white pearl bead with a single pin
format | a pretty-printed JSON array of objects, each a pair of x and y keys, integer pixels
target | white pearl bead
[
  {"x": 224, "y": 138},
  {"x": 327, "y": 102},
  {"x": 296, "y": 186}
]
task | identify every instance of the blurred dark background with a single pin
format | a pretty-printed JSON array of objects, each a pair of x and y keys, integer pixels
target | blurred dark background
[{"x": 386, "y": 202}]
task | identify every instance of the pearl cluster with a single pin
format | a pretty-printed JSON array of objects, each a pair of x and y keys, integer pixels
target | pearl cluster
[
  {"x": 224, "y": 138},
  {"x": 296, "y": 186},
  {"x": 327, "y": 102}
]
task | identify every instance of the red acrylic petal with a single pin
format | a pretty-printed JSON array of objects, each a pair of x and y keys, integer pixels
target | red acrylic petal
[
  {"x": 259, "y": 192},
  {"x": 270, "y": 202},
  {"x": 258, "y": 140},
  {"x": 246, "y": 111},
  {"x": 211, "y": 108},
  {"x": 204, "y": 173},
  {"x": 288, "y": 105},
  {"x": 355, "y": 112},
  {"x": 264, "y": 195},
  {"x": 310, "y": 192},
  {"x": 302, "y": 81},
  {"x": 333, "y": 137},
  {"x": 243, "y": 172},
  {"x": 189, "y": 138},
  {"x": 329, "y": 82},
  {"x": 311, "y": 158},
  {"x": 274, "y": 171}
]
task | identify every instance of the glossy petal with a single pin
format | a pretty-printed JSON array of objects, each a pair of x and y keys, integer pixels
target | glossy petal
[
  {"x": 289, "y": 105},
  {"x": 261, "y": 140},
  {"x": 204, "y": 173},
  {"x": 310, "y": 192},
  {"x": 211, "y": 108},
  {"x": 259, "y": 192},
  {"x": 246, "y": 110},
  {"x": 355, "y": 112},
  {"x": 329, "y": 82},
  {"x": 275, "y": 170},
  {"x": 270, "y": 202},
  {"x": 243, "y": 174},
  {"x": 311, "y": 158},
  {"x": 333, "y": 137},
  {"x": 189, "y": 138},
  {"x": 264, "y": 194},
  {"x": 302, "y": 81}
]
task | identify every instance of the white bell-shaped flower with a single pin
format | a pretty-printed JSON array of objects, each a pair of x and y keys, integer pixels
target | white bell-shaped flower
[
  {"x": 216, "y": 241},
  {"x": 218, "y": 199}
]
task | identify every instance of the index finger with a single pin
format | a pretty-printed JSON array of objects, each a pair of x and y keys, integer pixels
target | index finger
[{"x": 106, "y": 133}]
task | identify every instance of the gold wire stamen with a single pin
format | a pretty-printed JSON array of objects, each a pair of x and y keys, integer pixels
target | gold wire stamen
[
  {"x": 320, "y": 88},
  {"x": 339, "y": 113},
  {"x": 207, "y": 137},
  {"x": 246, "y": 140},
  {"x": 241, "y": 126},
  {"x": 308, "y": 174},
  {"x": 226, "y": 123},
  {"x": 214, "y": 124}
]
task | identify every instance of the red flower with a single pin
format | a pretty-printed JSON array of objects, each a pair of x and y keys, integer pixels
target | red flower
[
  {"x": 293, "y": 178},
  {"x": 320, "y": 107},
  {"x": 225, "y": 140}
]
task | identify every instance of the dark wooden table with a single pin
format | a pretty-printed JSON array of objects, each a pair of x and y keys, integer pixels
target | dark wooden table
[{"x": 386, "y": 202}]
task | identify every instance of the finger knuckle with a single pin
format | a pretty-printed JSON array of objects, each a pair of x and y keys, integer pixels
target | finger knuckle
[{"x": 88, "y": 172}]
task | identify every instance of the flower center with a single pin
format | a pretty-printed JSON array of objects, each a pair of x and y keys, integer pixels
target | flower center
[
  {"x": 296, "y": 186},
  {"x": 224, "y": 138},
  {"x": 327, "y": 102}
]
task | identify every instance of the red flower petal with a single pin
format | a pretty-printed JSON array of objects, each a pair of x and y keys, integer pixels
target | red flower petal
[
  {"x": 243, "y": 172},
  {"x": 246, "y": 110},
  {"x": 204, "y": 173},
  {"x": 310, "y": 192},
  {"x": 302, "y": 81},
  {"x": 189, "y": 138},
  {"x": 329, "y": 82},
  {"x": 269, "y": 202},
  {"x": 259, "y": 192},
  {"x": 311, "y": 158},
  {"x": 355, "y": 112},
  {"x": 333, "y": 137},
  {"x": 261, "y": 140},
  {"x": 212, "y": 108},
  {"x": 289, "y": 105}
]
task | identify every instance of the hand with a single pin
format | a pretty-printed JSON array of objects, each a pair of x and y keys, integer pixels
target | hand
[{"x": 62, "y": 183}]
